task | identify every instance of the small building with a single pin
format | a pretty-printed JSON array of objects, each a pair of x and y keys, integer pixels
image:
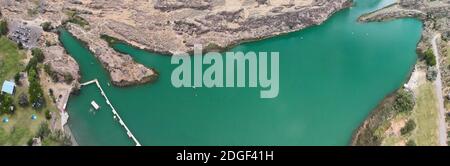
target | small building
[
  {"x": 8, "y": 87},
  {"x": 95, "y": 105}
]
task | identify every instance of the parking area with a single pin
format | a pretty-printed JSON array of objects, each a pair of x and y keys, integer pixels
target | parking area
[{"x": 24, "y": 33}]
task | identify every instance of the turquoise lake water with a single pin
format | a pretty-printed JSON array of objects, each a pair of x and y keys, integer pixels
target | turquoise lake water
[{"x": 331, "y": 77}]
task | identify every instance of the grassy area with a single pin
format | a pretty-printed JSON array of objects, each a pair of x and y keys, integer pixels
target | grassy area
[
  {"x": 21, "y": 128},
  {"x": 385, "y": 125},
  {"x": 10, "y": 59},
  {"x": 426, "y": 116}
]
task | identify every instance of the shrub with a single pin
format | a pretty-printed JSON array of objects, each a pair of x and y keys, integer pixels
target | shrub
[
  {"x": 51, "y": 73},
  {"x": 17, "y": 79},
  {"x": 6, "y": 102},
  {"x": 52, "y": 95},
  {"x": 47, "y": 26},
  {"x": 404, "y": 101},
  {"x": 3, "y": 27},
  {"x": 30, "y": 142},
  {"x": 36, "y": 52},
  {"x": 23, "y": 100},
  {"x": 409, "y": 126},
  {"x": 75, "y": 19},
  {"x": 35, "y": 90},
  {"x": 43, "y": 131},
  {"x": 68, "y": 78},
  {"x": 411, "y": 143},
  {"x": 429, "y": 57},
  {"x": 431, "y": 73},
  {"x": 32, "y": 64},
  {"x": 109, "y": 39},
  {"x": 48, "y": 115}
]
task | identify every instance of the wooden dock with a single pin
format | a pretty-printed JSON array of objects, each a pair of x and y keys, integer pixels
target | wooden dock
[{"x": 129, "y": 133}]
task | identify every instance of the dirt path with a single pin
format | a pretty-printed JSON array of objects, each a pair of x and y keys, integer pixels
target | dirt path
[{"x": 438, "y": 86}]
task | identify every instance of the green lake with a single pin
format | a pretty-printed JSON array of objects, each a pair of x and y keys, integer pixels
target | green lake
[{"x": 331, "y": 77}]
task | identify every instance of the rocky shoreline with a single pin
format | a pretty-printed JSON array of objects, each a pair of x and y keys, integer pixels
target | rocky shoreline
[
  {"x": 218, "y": 28},
  {"x": 170, "y": 26},
  {"x": 434, "y": 16}
]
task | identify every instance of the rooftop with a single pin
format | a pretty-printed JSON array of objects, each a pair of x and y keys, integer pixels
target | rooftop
[{"x": 8, "y": 87}]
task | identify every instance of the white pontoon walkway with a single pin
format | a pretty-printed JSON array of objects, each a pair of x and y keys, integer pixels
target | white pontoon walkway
[{"x": 113, "y": 110}]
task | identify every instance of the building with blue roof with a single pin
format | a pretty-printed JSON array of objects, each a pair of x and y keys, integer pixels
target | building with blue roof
[{"x": 8, "y": 87}]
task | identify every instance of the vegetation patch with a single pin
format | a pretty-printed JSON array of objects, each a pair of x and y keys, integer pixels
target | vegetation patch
[
  {"x": 75, "y": 19},
  {"x": 409, "y": 127},
  {"x": 37, "y": 99},
  {"x": 3, "y": 27},
  {"x": 47, "y": 26},
  {"x": 419, "y": 116},
  {"x": 110, "y": 40},
  {"x": 24, "y": 122},
  {"x": 429, "y": 57},
  {"x": 53, "y": 75},
  {"x": 372, "y": 132}
]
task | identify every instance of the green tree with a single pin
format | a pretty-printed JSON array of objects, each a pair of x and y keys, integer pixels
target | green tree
[
  {"x": 32, "y": 64},
  {"x": 23, "y": 100},
  {"x": 411, "y": 143},
  {"x": 36, "y": 52},
  {"x": 35, "y": 90},
  {"x": 6, "y": 102},
  {"x": 68, "y": 78},
  {"x": 20, "y": 46},
  {"x": 43, "y": 131},
  {"x": 429, "y": 57},
  {"x": 30, "y": 142},
  {"x": 409, "y": 126},
  {"x": 404, "y": 101},
  {"x": 48, "y": 115},
  {"x": 3, "y": 27},
  {"x": 17, "y": 78},
  {"x": 47, "y": 26}
]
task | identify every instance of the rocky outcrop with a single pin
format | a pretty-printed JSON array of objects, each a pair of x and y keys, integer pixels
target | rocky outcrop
[
  {"x": 391, "y": 12},
  {"x": 433, "y": 14},
  {"x": 171, "y": 5},
  {"x": 175, "y": 26},
  {"x": 61, "y": 64},
  {"x": 122, "y": 69}
]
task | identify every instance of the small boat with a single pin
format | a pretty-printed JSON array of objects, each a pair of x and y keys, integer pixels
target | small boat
[{"x": 95, "y": 105}]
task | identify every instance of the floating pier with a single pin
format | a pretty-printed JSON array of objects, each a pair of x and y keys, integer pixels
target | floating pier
[{"x": 116, "y": 115}]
